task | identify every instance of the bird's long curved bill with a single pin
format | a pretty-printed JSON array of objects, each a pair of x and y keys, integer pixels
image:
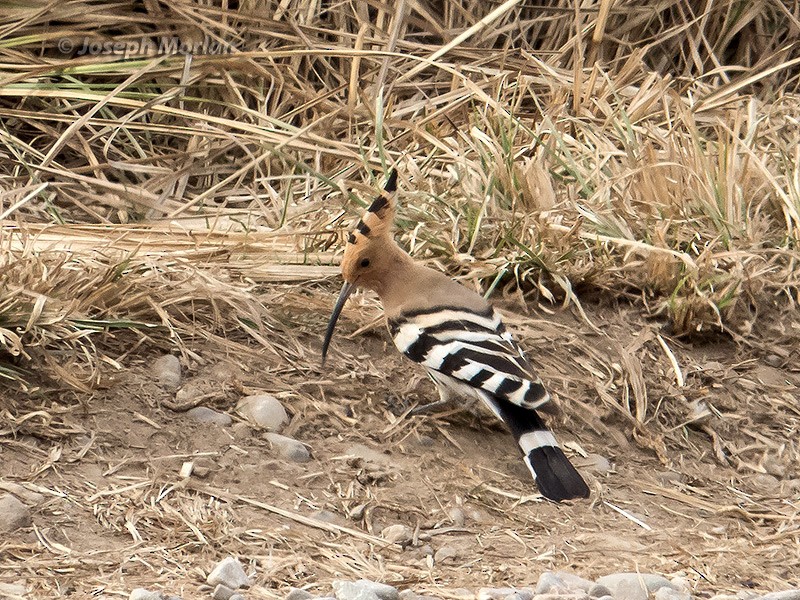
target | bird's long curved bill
[{"x": 347, "y": 289}]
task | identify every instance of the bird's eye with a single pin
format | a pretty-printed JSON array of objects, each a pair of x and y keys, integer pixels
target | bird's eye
[{"x": 364, "y": 262}]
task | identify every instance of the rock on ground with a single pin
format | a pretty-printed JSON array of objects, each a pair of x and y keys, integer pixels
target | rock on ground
[
  {"x": 13, "y": 591},
  {"x": 167, "y": 370},
  {"x": 289, "y": 448},
  {"x": 145, "y": 594},
  {"x": 229, "y": 572},
  {"x": 363, "y": 589},
  {"x": 633, "y": 586},
  {"x": 13, "y": 514},
  {"x": 203, "y": 414},
  {"x": 264, "y": 410}
]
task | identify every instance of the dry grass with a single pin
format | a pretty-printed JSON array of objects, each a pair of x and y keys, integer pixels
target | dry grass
[{"x": 557, "y": 161}]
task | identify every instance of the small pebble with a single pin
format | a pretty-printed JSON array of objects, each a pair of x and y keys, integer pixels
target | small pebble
[
  {"x": 264, "y": 410},
  {"x": 598, "y": 591},
  {"x": 13, "y": 591},
  {"x": 289, "y": 448},
  {"x": 167, "y": 370},
  {"x": 230, "y": 573},
  {"x": 29, "y": 497},
  {"x": 633, "y": 586},
  {"x": 239, "y": 597},
  {"x": 785, "y": 595},
  {"x": 398, "y": 534},
  {"x": 457, "y": 516},
  {"x": 667, "y": 593},
  {"x": 203, "y": 414},
  {"x": 773, "y": 360},
  {"x": 445, "y": 553},
  {"x": 551, "y": 583},
  {"x": 298, "y": 594},
  {"x": 143, "y": 594},
  {"x": 574, "y": 582},
  {"x": 222, "y": 592},
  {"x": 523, "y": 594},
  {"x": 363, "y": 589},
  {"x": 13, "y": 514},
  {"x": 682, "y": 584},
  {"x": 495, "y": 593},
  {"x": 562, "y": 596}
]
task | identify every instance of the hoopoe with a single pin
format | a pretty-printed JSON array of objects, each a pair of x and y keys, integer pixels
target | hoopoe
[{"x": 459, "y": 338}]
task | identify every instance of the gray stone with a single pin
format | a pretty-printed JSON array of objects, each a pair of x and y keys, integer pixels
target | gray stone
[
  {"x": 562, "y": 596},
  {"x": 222, "y": 592},
  {"x": 363, "y": 589},
  {"x": 785, "y": 595},
  {"x": 505, "y": 593},
  {"x": 203, "y": 414},
  {"x": 143, "y": 594},
  {"x": 551, "y": 583},
  {"x": 682, "y": 584},
  {"x": 668, "y": 593},
  {"x": 598, "y": 591},
  {"x": 167, "y": 370},
  {"x": 230, "y": 573},
  {"x": 13, "y": 591},
  {"x": 411, "y": 595},
  {"x": 575, "y": 583},
  {"x": 606, "y": 597},
  {"x": 299, "y": 594},
  {"x": 29, "y": 497},
  {"x": 495, "y": 593},
  {"x": 398, "y": 534},
  {"x": 264, "y": 410},
  {"x": 633, "y": 586},
  {"x": 13, "y": 514},
  {"x": 445, "y": 553},
  {"x": 457, "y": 516},
  {"x": 237, "y": 597},
  {"x": 289, "y": 448}
]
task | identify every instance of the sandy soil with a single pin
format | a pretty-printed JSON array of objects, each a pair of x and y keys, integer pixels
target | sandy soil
[{"x": 709, "y": 494}]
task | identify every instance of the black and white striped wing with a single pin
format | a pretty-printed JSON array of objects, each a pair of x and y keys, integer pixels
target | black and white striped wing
[{"x": 471, "y": 347}]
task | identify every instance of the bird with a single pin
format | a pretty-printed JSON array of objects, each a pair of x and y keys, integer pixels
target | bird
[{"x": 458, "y": 336}]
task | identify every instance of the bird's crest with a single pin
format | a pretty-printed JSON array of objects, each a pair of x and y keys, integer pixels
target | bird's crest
[{"x": 379, "y": 217}]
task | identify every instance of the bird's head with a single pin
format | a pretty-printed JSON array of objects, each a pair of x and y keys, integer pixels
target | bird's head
[{"x": 368, "y": 253}]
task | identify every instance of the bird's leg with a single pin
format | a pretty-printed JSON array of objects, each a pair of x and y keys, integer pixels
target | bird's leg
[
  {"x": 430, "y": 407},
  {"x": 443, "y": 401}
]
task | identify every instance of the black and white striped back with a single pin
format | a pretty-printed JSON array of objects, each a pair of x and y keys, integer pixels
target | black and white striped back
[{"x": 470, "y": 353}]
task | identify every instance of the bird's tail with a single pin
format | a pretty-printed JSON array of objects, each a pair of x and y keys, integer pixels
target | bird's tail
[{"x": 555, "y": 476}]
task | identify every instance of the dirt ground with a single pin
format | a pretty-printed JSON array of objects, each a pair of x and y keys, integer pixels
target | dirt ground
[{"x": 702, "y": 478}]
